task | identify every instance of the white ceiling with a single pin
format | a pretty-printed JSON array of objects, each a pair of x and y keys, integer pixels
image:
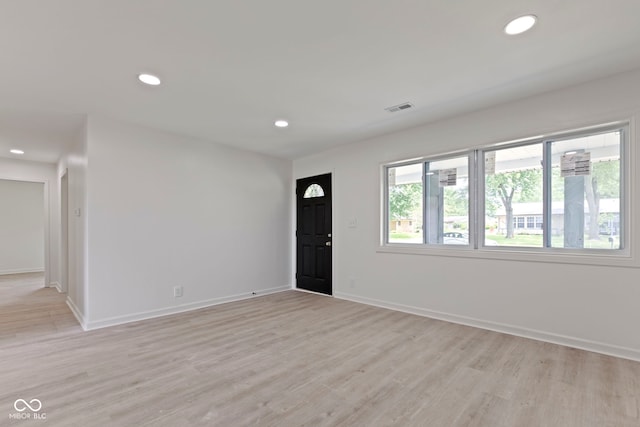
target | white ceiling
[{"x": 330, "y": 67}]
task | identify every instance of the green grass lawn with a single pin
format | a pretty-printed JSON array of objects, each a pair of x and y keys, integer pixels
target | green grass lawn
[
  {"x": 405, "y": 237},
  {"x": 535, "y": 240},
  {"x": 528, "y": 240},
  {"x": 520, "y": 240}
]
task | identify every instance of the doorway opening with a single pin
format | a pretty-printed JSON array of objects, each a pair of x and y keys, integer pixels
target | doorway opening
[{"x": 23, "y": 228}]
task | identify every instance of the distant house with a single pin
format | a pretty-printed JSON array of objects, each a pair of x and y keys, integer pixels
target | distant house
[
  {"x": 402, "y": 226},
  {"x": 528, "y": 218}
]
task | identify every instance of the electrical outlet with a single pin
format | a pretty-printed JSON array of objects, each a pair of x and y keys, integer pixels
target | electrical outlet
[
  {"x": 177, "y": 291},
  {"x": 352, "y": 283}
]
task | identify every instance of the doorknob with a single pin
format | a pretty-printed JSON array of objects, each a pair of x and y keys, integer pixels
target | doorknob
[{"x": 328, "y": 244}]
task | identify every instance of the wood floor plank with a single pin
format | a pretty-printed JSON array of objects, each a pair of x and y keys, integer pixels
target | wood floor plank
[{"x": 296, "y": 359}]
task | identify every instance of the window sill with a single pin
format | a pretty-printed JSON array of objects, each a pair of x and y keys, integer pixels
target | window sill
[{"x": 548, "y": 255}]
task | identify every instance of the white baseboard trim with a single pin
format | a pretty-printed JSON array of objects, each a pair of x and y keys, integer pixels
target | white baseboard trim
[
  {"x": 118, "y": 320},
  {"x": 56, "y": 285},
  {"x": 582, "y": 344},
  {"x": 77, "y": 313},
  {"x": 21, "y": 270}
]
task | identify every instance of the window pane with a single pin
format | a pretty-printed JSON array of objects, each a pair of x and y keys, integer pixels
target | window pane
[
  {"x": 531, "y": 222},
  {"x": 405, "y": 203},
  {"x": 513, "y": 191},
  {"x": 314, "y": 190},
  {"x": 585, "y": 192},
  {"x": 447, "y": 213}
]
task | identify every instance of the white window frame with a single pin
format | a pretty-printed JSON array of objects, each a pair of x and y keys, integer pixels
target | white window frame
[
  {"x": 624, "y": 256},
  {"x": 423, "y": 161}
]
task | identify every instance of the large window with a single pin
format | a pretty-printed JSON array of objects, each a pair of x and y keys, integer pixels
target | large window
[
  {"x": 428, "y": 202},
  {"x": 585, "y": 192},
  {"x": 563, "y": 192},
  {"x": 405, "y": 199},
  {"x": 512, "y": 191}
]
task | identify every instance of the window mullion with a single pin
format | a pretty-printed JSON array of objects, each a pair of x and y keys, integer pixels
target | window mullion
[
  {"x": 547, "y": 201},
  {"x": 425, "y": 199},
  {"x": 623, "y": 177},
  {"x": 475, "y": 186}
]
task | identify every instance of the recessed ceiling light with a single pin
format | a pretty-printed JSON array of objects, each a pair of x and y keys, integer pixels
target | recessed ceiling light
[
  {"x": 281, "y": 123},
  {"x": 520, "y": 25},
  {"x": 149, "y": 79},
  {"x": 15, "y": 151}
]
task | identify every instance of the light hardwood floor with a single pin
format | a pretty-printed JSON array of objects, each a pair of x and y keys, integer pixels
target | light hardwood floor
[{"x": 295, "y": 359}]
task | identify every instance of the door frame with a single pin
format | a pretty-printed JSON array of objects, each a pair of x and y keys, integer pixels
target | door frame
[
  {"x": 64, "y": 232},
  {"x": 294, "y": 226},
  {"x": 47, "y": 221}
]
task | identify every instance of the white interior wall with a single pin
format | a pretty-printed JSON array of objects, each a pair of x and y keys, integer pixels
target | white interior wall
[
  {"x": 167, "y": 210},
  {"x": 21, "y": 227},
  {"x": 593, "y": 307},
  {"x": 22, "y": 170},
  {"x": 74, "y": 164}
]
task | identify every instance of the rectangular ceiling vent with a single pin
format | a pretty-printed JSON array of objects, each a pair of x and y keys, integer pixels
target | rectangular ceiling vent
[{"x": 399, "y": 107}]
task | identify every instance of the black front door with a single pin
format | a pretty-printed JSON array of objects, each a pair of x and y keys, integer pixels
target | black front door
[{"x": 313, "y": 234}]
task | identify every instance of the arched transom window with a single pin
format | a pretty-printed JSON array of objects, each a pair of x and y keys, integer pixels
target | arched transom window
[{"x": 314, "y": 190}]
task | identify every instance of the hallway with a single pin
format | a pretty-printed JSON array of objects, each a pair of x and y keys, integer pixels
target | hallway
[{"x": 29, "y": 310}]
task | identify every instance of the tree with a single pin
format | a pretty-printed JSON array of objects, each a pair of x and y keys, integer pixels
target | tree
[
  {"x": 523, "y": 185},
  {"x": 604, "y": 182},
  {"x": 456, "y": 201},
  {"x": 403, "y": 200}
]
